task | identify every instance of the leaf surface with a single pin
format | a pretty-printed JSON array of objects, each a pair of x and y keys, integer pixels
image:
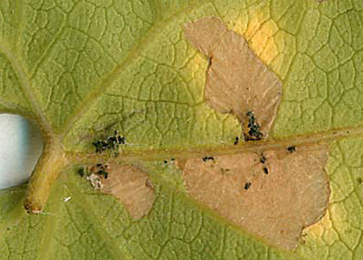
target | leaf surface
[{"x": 83, "y": 69}]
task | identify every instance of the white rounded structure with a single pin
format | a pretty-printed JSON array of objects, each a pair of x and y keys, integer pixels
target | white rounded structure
[{"x": 21, "y": 145}]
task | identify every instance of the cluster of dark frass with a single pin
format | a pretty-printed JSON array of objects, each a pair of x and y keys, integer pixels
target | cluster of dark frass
[
  {"x": 263, "y": 159},
  {"x": 254, "y": 132},
  {"x": 112, "y": 143},
  {"x": 291, "y": 149},
  {"x": 207, "y": 158},
  {"x": 100, "y": 169}
]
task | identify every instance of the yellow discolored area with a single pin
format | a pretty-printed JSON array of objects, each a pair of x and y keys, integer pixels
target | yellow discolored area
[
  {"x": 197, "y": 66},
  {"x": 317, "y": 230},
  {"x": 327, "y": 229},
  {"x": 260, "y": 37}
]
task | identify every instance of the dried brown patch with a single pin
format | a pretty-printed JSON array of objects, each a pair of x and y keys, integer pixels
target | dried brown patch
[
  {"x": 237, "y": 80},
  {"x": 132, "y": 187},
  {"x": 273, "y": 195}
]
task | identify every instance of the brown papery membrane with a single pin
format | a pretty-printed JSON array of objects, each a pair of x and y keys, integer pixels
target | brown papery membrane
[
  {"x": 273, "y": 195},
  {"x": 132, "y": 187},
  {"x": 237, "y": 80}
]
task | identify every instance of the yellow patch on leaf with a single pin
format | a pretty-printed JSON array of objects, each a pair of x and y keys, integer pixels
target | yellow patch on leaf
[{"x": 261, "y": 39}]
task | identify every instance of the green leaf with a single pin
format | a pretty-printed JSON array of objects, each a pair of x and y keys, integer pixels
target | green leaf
[{"x": 82, "y": 69}]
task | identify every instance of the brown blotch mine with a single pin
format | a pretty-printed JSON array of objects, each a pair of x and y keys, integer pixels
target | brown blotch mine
[
  {"x": 275, "y": 206},
  {"x": 237, "y": 80},
  {"x": 132, "y": 187}
]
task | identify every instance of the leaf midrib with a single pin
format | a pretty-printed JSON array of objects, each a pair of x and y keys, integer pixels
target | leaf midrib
[{"x": 220, "y": 149}]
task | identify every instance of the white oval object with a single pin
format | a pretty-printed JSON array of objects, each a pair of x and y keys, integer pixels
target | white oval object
[{"x": 21, "y": 145}]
